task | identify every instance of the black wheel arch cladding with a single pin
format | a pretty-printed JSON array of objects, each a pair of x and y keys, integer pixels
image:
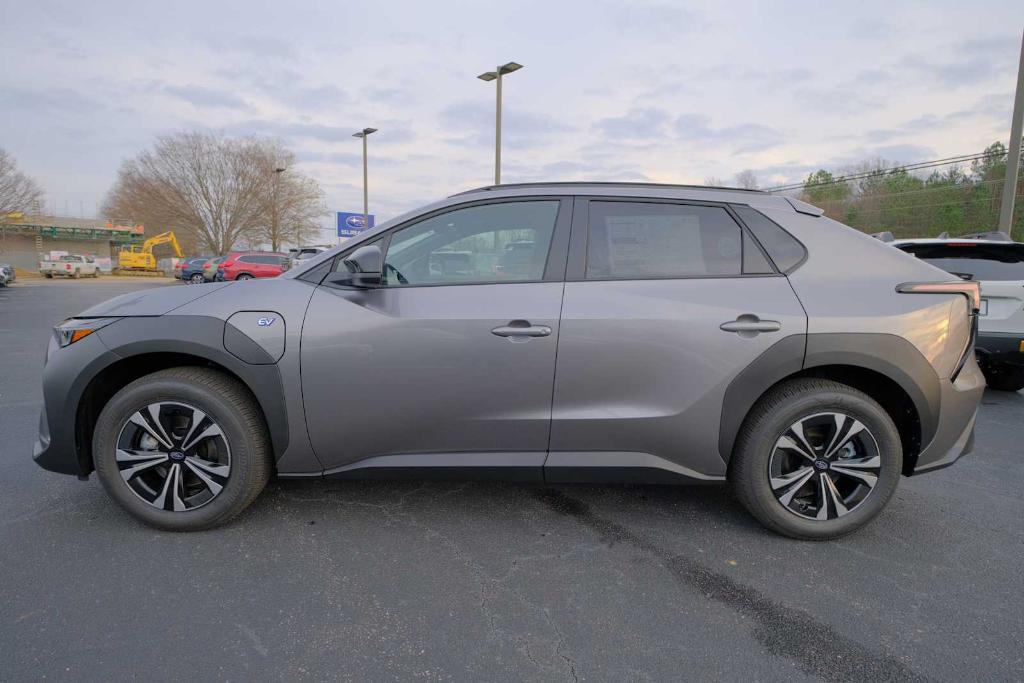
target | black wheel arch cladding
[
  {"x": 202, "y": 337},
  {"x": 884, "y": 354}
]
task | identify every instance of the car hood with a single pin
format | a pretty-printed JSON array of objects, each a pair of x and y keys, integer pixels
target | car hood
[{"x": 151, "y": 302}]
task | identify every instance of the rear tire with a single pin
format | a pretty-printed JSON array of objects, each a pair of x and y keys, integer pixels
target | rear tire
[
  {"x": 184, "y": 487},
  {"x": 243, "y": 276},
  {"x": 786, "y": 489},
  {"x": 1004, "y": 377},
  {"x": 196, "y": 279}
]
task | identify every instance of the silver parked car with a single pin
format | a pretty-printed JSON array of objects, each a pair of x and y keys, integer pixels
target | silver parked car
[{"x": 553, "y": 333}]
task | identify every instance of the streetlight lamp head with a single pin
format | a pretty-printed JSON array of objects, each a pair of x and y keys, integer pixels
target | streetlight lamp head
[
  {"x": 364, "y": 132},
  {"x": 488, "y": 76},
  {"x": 509, "y": 68}
]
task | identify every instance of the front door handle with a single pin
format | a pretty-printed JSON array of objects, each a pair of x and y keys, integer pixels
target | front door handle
[
  {"x": 749, "y": 325},
  {"x": 521, "y": 328}
]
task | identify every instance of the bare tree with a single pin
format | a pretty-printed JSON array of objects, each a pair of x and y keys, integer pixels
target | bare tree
[
  {"x": 294, "y": 202},
  {"x": 747, "y": 180},
  {"x": 213, "y": 189},
  {"x": 18, "y": 192}
]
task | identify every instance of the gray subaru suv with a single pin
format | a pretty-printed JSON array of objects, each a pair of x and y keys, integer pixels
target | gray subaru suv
[{"x": 553, "y": 333}]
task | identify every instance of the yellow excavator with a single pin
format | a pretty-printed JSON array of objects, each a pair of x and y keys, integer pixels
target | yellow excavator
[{"x": 139, "y": 260}]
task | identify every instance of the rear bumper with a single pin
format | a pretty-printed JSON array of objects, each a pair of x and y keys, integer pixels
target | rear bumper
[
  {"x": 1000, "y": 347},
  {"x": 958, "y": 413}
]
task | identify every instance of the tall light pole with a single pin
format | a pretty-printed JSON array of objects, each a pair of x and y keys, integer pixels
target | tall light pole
[
  {"x": 1013, "y": 159},
  {"x": 496, "y": 76},
  {"x": 365, "y": 133},
  {"x": 275, "y": 214}
]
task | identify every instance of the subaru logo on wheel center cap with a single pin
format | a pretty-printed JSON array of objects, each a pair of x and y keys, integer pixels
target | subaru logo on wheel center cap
[
  {"x": 821, "y": 465},
  {"x": 177, "y": 456}
]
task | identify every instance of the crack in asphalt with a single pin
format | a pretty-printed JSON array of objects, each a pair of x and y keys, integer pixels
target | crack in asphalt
[{"x": 816, "y": 648}]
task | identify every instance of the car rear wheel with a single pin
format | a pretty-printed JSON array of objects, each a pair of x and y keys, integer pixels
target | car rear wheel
[
  {"x": 196, "y": 279},
  {"x": 816, "y": 459},
  {"x": 244, "y": 276},
  {"x": 182, "y": 449}
]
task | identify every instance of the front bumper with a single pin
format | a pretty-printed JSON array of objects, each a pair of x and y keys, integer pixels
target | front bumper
[
  {"x": 65, "y": 378},
  {"x": 957, "y": 415},
  {"x": 1000, "y": 347}
]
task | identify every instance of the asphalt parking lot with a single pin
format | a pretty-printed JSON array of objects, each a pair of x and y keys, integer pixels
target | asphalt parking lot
[{"x": 489, "y": 581}]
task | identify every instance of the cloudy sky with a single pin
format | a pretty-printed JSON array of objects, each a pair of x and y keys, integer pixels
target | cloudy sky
[{"x": 621, "y": 90}]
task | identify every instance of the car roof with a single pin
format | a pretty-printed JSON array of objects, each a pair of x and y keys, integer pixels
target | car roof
[{"x": 756, "y": 198}]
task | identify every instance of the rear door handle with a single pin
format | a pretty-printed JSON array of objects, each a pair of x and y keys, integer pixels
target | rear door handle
[
  {"x": 521, "y": 328},
  {"x": 749, "y": 325}
]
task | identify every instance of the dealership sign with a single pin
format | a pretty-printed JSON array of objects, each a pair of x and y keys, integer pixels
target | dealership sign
[{"x": 351, "y": 224}]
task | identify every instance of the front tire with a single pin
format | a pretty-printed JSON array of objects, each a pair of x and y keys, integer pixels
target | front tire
[
  {"x": 816, "y": 459},
  {"x": 197, "y": 279},
  {"x": 182, "y": 449}
]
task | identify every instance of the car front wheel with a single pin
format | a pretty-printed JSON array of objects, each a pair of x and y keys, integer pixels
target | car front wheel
[
  {"x": 816, "y": 459},
  {"x": 196, "y": 279},
  {"x": 182, "y": 449}
]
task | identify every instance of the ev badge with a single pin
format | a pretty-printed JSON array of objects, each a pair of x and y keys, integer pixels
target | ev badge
[{"x": 265, "y": 322}]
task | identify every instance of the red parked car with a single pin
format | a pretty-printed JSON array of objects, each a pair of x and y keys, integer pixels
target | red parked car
[{"x": 245, "y": 265}]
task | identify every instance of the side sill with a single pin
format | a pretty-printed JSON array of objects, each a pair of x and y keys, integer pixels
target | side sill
[
  {"x": 446, "y": 466},
  {"x": 595, "y": 467}
]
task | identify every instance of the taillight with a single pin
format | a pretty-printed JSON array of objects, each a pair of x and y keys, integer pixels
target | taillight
[
  {"x": 971, "y": 290},
  {"x": 227, "y": 264}
]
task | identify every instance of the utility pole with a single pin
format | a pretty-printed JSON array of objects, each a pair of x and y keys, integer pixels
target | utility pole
[
  {"x": 496, "y": 76},
  {"x": 1013, "y": 158}
]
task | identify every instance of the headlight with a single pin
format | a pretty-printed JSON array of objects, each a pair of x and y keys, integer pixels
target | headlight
[{"x": 70, "y": 331}]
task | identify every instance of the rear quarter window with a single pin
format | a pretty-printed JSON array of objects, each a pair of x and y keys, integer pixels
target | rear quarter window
[
  {"x": 784, "y": 249},
  {"x": 974, "y": 261}
]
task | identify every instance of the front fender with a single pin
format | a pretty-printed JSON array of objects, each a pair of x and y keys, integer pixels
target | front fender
[{"x": 202, "y": 337}]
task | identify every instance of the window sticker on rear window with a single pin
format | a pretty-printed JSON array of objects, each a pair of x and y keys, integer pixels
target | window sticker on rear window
[{"x": 651, "y": 245}]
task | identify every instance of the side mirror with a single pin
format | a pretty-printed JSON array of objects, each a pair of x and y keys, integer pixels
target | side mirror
[{"x": 363, "y": 268}]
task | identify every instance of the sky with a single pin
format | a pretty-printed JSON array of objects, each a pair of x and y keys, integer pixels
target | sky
[{"x": 673, "y": 92}]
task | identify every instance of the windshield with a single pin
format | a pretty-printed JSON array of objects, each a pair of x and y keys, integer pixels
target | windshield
[{"x": 973, "y": 260}]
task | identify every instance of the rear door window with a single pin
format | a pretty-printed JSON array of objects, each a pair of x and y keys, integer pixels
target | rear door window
[
  {"x": 973, "y": 260},
  {"x": 635, "y": 240}
]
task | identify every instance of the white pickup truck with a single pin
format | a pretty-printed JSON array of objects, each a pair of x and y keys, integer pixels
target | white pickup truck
[{"x": 72, "y": 265}]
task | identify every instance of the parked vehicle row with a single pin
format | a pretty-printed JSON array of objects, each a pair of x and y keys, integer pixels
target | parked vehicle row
[
  {"x": 561, "y": 332},
  {"x": 7, "y": 274},
  {"x": 238, "y": 265}
]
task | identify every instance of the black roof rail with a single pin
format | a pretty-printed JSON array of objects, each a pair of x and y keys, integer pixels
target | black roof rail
[{"x": 583, "y": 183}]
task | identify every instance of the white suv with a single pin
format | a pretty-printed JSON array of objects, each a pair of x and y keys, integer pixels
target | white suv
[{"x": 998, "y": 263}]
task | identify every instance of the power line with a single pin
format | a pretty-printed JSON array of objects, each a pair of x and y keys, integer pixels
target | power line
[
  {"x": 937, "y": 188},
  {"x": 907, "y": 207},
  {"x": 880, "y": 172}
]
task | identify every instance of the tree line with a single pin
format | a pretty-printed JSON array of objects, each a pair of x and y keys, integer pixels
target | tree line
[{"x": 885, "y": 197}]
